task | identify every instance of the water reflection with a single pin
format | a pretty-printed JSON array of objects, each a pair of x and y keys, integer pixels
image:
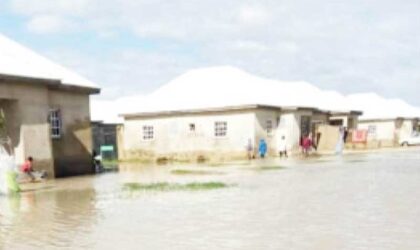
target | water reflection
[
  {"x": 349, "y": 202},
  {"x": 40, "y": 217}
]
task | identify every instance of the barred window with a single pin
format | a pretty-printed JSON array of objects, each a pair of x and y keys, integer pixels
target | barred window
[
  {"x": 148, "y": 133},
  {"x": 55, "y": 123},
  {"x": 372, "y": 129},
  {"x": 220, "y": 129},
  {"x": 269, "y": 127},
  {"x": 192, "y": 127}
]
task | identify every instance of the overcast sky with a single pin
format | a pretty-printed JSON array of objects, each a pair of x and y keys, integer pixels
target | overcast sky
[{"x": 134, "y": 46}]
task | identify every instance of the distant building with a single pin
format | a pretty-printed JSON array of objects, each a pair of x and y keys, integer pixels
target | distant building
[
  {"x": 385, "y": 121},
  {"x": 45, "y": 111},
  {"x": 217, "y": 133},
  {"x": 387, "y": 132},
  {"x": 214, "y": 112}
]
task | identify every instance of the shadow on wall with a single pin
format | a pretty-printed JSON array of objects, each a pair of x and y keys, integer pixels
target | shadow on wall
[{"x": 72, "y": 152}]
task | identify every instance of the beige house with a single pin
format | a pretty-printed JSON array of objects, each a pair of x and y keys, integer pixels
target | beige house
[
  {"x": 44, "y": 111},
  {"x": 385, "y": 121},
  {"x": 216, "y": 133},
  {"x": 388, "y": 132},
  {"x": 213, "y": 113}
]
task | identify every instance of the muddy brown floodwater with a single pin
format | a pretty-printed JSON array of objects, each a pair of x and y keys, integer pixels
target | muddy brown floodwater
[{"x": 348, "y": 202}]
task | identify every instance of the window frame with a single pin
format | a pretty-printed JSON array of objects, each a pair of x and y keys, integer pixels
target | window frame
[
  {"x": 372, "y": 129},
  {"x": 220, "y": 132},
  {"x": 56, "y": 123},
  {"x": 148, "y": 135}
]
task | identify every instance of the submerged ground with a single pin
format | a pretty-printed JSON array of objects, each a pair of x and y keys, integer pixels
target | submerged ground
[{"x": 349, "y": 202}]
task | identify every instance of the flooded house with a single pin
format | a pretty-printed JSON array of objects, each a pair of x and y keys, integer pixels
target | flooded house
[
  {"x": 386, "y": 121},
  {"x": 212, "y": 113},
  {"x": 44, "y": 110},
  {"x": 220, "y": 133}
]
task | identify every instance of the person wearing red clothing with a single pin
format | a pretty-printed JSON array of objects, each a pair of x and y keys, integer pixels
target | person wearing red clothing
[
  {"x": 306, "y": 145},
  {"x": 27, "y": 167}
]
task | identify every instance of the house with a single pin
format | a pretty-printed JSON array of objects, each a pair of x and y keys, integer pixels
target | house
[
  {"x": 212, "y": 113},
  {"x": 215, "y": 133},
  {"x": 45, "y": 111},
  {"x": 385, "y": 120}
]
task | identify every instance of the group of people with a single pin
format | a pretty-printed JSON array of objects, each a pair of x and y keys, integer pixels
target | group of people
[
  {"x": 306, "y": 144},
  {"x": 263, "y": 148}
]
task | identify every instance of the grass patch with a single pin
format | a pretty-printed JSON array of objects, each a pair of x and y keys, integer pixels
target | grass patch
[
  {"x": 194, "y": 172},
  {"x": 165, "y": 186},
  {"x": 268, "y": 168}
]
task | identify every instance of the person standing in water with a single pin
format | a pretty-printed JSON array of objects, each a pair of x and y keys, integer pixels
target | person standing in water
[
  {"x": 262, "y": 149},
  {"x": 282, "y": 146},
  {"x": 250, "y": 149},
  {"x": 306, "y": 145}
]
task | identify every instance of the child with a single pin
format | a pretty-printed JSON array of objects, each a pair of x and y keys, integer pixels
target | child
[
  {"x": 27, "y": 168},
  {"x": 262, "y": 148}
]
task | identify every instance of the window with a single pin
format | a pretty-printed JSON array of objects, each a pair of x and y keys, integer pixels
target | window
[
  {"x": 220, "y": 129},
  {"x": 372, "y": 129},
  {"x": 269, "y": 127},
  {"x": 148, "y": 133},
  {"x": 55, "y": 123},
  {"x": 192, "y": 127}
]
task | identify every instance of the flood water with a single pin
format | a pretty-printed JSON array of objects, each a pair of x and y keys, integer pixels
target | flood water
[{"x": 364, "y": 201}]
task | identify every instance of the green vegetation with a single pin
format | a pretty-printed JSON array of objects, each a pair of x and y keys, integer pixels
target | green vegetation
[
  {"x": 267, "y": 168},
  {"x": 228, "y": 163},
  {"x": 194, "y": 172},
  {"x": 165, "y": 186}
]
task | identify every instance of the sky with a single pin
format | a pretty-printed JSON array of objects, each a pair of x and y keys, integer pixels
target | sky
[{"x": 134, "y": 46}]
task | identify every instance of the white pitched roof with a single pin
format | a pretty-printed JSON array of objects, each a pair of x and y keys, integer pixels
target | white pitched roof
[
  {"x": 230, "y": 86},
  {"x": 16, "y": 60},
  {"x": 375, "y": 106}
]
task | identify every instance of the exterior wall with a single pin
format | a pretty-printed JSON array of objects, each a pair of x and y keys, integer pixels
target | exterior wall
[
  {"x": 289, "y": 126},
  {"x": 406, "y": 129},
  {"x": 120, "y": 142},
  {"x": 343, "y": 119},
  {"x": 320, "y": 118},
  {"x": 353, "y": 121},
  {"x": 348, "y": 121},
  {"x": 72, "y": 152},
  {"x": 382, "y": 133},
  {"x": 27, "y": 110},
  {"x": 261, "y": 132},
  {"x": 173, "y": 140},
  {"x": 389, "y": 131},
  {"x": 26, "y": 119}
]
